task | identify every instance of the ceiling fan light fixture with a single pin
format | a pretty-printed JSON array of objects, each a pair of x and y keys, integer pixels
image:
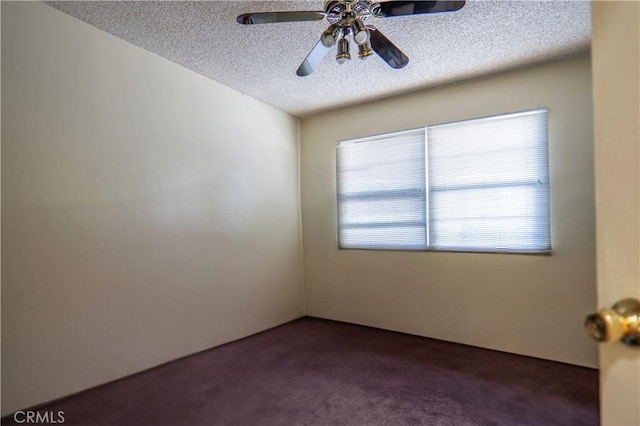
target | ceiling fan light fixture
[
  {"x": 365, "y": 50},
  {"x": 343, "y": 51},
  {"x": 347, "y": 18},
  {"x": 360, "y": 32},
  {"x": 328, "y": 37}
]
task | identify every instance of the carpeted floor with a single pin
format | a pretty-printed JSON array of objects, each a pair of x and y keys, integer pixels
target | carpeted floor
[{"x": 319, "y": 372}]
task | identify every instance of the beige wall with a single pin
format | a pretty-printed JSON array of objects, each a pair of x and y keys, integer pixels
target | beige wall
[
  {"x": 526, "y": 304},
  {"x": 147, "y": 212},
  {"x": 616, "y": 95}
]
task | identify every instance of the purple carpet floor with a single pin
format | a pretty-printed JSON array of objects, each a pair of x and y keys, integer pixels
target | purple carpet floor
[{"x": 318, "y": 372}]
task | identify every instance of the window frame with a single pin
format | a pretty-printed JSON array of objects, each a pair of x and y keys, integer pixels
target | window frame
[{"x": 428, "y": 247}]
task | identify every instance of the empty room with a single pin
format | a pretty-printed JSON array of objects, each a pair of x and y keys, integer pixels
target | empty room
[{"x": 341, "y": 212}]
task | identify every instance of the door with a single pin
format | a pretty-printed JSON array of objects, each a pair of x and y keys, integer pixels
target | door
[{"x": 616, "y": 96}]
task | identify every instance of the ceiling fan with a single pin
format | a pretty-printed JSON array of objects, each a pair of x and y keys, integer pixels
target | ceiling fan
[{"x": 347, "y": 20}]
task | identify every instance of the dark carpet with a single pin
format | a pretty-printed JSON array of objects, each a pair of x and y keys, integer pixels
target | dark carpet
[{"x": 319, "y": 372}]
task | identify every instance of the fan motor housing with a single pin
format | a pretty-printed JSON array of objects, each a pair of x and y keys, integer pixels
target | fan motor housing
[{"x": 336, "y": 8}]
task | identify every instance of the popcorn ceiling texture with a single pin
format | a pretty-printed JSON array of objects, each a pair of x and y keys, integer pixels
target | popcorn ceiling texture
[{"x": 484, "y": 37}]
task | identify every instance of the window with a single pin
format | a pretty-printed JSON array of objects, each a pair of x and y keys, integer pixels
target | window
[
  {"x": 475, "y": 185},
  {"x": 381, "y": 192}
]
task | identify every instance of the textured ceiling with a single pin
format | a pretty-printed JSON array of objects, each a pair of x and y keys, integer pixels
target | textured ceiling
[{"x": 484, "y": 37}]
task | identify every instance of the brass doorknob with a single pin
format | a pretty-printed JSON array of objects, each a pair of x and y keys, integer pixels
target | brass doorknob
[{"x": 620, "y": 322}]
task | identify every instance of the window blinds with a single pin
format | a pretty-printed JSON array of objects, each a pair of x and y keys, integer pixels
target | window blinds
[
  {"x": 475, "y": 185},
  {"x": 381, "y": 191},
  {"x": 489, "y": 184}
]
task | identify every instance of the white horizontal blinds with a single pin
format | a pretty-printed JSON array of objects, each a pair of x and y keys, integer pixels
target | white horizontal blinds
[
  {"x": 381, "y": 192},
  {"x": 489, "y": 184}
]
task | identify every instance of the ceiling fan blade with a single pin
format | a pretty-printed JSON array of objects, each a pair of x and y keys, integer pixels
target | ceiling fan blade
[
  {"x": 272, "y": 17},
  {"x": 388, "y": 51},
  {"x": 389, "y": 9},
  {"x": 313, "y": 59}
]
